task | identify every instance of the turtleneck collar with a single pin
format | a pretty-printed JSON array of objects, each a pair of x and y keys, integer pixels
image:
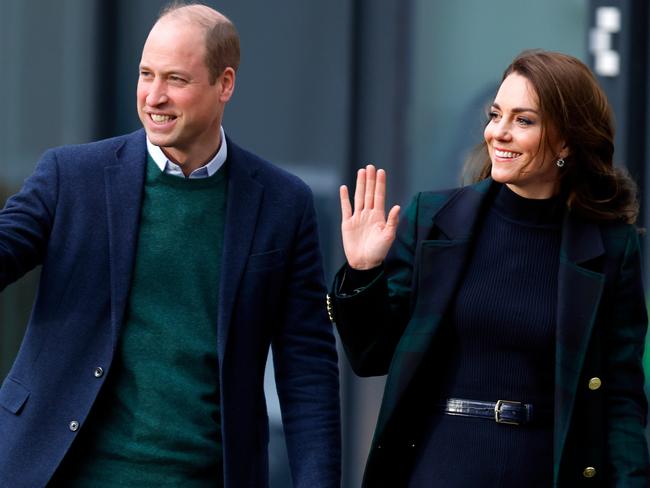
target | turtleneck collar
[{"x": 529, "y": 211}]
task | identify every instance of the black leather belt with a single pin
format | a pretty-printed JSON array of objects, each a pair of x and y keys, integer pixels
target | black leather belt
[{"x": 501, "y": 411}]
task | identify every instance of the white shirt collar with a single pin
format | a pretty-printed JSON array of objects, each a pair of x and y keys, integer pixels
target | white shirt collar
[{"x": 205, "y": 171}]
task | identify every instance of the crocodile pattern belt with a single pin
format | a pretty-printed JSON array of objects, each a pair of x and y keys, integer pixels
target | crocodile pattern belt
[{"x": 501, "y": 411}]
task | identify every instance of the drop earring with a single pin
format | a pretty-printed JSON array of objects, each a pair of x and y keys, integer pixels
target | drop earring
[{"x": 560, "y": 162}]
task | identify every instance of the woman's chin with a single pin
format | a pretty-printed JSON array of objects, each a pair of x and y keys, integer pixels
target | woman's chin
[{"x": 501, "y": 176}]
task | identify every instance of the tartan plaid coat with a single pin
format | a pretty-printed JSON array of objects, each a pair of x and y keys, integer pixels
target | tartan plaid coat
[{"x": 600, "y": 408}]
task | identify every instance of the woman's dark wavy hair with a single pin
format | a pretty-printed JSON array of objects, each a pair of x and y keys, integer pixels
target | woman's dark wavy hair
[{"x": 571, "y": 100}]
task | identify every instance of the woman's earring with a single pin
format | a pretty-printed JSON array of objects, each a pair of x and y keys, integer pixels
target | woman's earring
[{"x": 560, "y": 162}]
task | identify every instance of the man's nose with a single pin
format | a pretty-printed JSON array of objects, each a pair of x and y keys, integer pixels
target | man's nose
[{"x": 157, "y": 94}]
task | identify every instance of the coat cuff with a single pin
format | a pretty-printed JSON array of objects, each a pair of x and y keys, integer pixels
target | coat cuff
[{"x": 348, "y": 283}]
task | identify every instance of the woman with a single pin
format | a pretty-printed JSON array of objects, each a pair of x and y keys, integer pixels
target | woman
[{"x": 509, "y": 314}]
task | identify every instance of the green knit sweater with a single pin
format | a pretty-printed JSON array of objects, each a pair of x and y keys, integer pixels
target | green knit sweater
[{"x": 157, "y": 420}]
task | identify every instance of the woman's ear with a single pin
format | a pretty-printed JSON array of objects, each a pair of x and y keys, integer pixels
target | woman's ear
[{"x": 565, "y": 152}]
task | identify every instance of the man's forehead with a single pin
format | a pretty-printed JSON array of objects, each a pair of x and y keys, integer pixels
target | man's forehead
[
  {"x": 174, "y": 45},
  {"x": 175, "y": 34},
  {"x": 169, "y": 24}
]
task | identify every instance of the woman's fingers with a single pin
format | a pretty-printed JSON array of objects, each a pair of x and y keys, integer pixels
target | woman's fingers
[
  {"x": 371, "y": 176},
  {"x": 380, "y": 190},
  {"x": 360, "y": 190},
  {"x": 393, "y": 218},
  {"x": 369, "y": 193},
  {"x": 346, "y": 208}
]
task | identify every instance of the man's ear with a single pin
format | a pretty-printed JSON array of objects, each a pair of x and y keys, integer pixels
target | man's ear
[{"x": 226, "y": 82}]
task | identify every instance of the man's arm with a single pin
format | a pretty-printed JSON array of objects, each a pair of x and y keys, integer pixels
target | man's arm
[
  {"x": 26, "y": 221},
  {"x": 306, "y": 366}
]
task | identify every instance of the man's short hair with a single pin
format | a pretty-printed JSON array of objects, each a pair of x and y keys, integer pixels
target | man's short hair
[{"x": 221, "y": 36}]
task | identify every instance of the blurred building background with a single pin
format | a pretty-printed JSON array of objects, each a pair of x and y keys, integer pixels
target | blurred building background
[{"x": 324, "y": 87}]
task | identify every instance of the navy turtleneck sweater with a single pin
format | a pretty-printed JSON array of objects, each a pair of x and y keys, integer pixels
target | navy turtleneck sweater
[{"x": 498, "y": 342}]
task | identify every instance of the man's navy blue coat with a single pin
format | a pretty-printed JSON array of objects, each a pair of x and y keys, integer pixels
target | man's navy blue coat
[{"x": 78, "y": 217}]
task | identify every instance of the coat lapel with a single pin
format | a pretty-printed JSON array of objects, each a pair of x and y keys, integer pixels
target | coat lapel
[
  {"x": 439, "y": 264},
  {"x": 579, "y": 293},
  {"x": 242, "y": 209},
  {"x": 124, "y": 182}
]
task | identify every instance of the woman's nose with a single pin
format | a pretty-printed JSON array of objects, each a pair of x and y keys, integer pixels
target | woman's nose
[{"x": 502, "y": 130}]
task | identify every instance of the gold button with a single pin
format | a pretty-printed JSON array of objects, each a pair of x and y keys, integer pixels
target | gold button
[
  {"x": 594, "y": 383},
  {"x": 330, "y": 308},
  {"x": 589, "y": 472}
]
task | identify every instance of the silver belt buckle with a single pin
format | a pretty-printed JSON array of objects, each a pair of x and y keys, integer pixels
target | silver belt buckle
[{"x": 497, "y": 412}]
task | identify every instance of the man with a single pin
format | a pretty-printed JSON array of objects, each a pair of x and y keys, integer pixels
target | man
[{"x": 171, "y": 260}]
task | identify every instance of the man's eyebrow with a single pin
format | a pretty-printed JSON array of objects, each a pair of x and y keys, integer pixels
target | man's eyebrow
[{"x": 166, "y": 72}]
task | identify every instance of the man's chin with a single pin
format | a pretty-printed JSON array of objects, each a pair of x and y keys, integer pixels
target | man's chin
[{"x": 158, "y": 139}]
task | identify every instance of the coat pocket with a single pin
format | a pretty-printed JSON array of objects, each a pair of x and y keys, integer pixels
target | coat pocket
[{"x": 13, "y": 395}]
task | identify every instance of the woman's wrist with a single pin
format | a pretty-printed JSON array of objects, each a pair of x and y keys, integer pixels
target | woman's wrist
[{"x": 364, "y": 266}]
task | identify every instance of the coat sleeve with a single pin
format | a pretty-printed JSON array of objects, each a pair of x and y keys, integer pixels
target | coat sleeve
[
  {"x": 625, "y": 402},
  {"x": 371, "y": 319},
  {"x": 306, "y": 366},
  {"x": 26, "y": 221}
]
